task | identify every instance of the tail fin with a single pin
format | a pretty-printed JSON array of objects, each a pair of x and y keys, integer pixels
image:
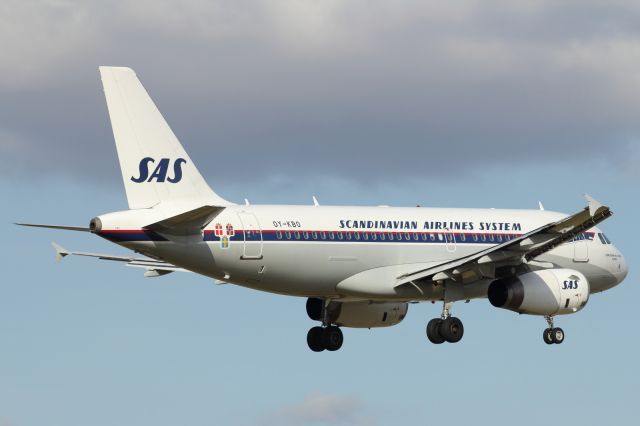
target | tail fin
[{"x": 155, "y": 167}]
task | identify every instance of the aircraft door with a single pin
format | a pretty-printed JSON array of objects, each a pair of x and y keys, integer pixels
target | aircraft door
[
  {"x": 450, "y": 241},
  {"x": 581, "y": 249},
  {"x": 252, "y": 236}
]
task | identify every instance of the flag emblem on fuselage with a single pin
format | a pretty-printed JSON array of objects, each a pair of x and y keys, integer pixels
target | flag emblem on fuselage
[{"x": 225, "y": 233}]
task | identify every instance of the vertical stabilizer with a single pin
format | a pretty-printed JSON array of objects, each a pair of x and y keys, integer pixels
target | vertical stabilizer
[{"x": 155, "y": 167}]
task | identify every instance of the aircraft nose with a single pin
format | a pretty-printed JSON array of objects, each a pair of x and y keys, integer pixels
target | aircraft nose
[{"x": 623, "y": 269}]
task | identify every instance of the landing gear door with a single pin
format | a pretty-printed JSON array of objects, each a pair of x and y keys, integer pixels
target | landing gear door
[
  {"x": 581, "y": 249},
  {"x": 252, "y": 236}
]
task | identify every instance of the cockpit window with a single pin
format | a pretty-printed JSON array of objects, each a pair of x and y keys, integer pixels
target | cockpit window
[{"x": 604, "y": 238}]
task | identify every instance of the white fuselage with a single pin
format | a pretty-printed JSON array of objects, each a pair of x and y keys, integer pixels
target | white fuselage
[{"x": 314, "y": 250}]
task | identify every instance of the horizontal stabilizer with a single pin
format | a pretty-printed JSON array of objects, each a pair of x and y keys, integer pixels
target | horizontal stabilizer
[
  {"x": 191, "y": 222},
  {"x": 62, "y": 227},
  {"x": 153, "y": 267}
]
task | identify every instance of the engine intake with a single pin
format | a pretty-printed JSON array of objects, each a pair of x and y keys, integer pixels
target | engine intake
[{"x": 545, "y": 292}]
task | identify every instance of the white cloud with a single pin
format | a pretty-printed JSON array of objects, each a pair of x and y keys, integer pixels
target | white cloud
[{"x": 321, "y": 409}]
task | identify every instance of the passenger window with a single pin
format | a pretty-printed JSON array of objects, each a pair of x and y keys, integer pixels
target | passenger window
[
  {"x": 475, "y": 237},
  {"x": 288, "y": 235},
  {"x": 348, "y": 235},
  {"x": 323, "y": 235},
  {"x": 365, "y": 236},
  {"x": 332, "y": 236},
  {"x": 432, "y": 236},
  {"x": 374, "y": 236},
  {"x": 382, "y": 236},
  {"x": 416, "y": 236},
  {"x": 407, "y": 236},
  {"x": 315, "y": 235},
  {"x": 499, "y": 237},
  {"x": 306, "y": 235},
  {"x": 279, "y": 235},
  {"x": 483, "y": 237},
  {"x": 390, "y": 236},
  {"x": 357, "y": 235},
  {"x": 340, "y": 236},
  {"x": 463, "y": 237},
  {"x": 440, "y": 237},
  {"x": 296, "y": 234}
]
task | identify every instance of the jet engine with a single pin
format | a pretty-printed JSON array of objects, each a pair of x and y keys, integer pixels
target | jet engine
[
  {"x": 358, "y": 314},
  {"x": 544, "y": 292}
]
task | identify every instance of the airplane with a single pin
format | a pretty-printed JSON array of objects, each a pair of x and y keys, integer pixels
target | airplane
[{"x": 357, "y": 267}]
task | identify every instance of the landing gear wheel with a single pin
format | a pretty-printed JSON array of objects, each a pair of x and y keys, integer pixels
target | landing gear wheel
[
  {"x": 332, "y": 338},
  {"x": 433, "y": 333},
  {"x": 557, "y": 335},
  {"x": 315, "y": 339},
  {"x": 451, "y": 329},
  {"x": 547, "y": 337}
]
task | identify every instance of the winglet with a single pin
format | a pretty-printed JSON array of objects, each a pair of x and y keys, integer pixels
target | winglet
[
  {"x": 594, "y": 205},
  {"x": 60, "y": 252}
]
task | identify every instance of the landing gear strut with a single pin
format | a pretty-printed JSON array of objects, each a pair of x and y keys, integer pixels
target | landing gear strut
[
  {"x": 446, "y": 328},
  {"x": 327, "y": 337},
  {"x": 552, "y": 334}
]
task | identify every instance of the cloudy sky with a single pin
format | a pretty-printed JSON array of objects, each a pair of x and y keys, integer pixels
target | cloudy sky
[{"x": 469, "y": 103}]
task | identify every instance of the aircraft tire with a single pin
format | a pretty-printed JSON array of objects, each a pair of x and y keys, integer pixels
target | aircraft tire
[
  {"x": 433, "y": 331},
  {"x": 315, "y": 339},
  {"x": 332, "y": 338},
  {"x": 557, "y": 335},
  {"x": 451, "y": 329},
  {"x": 546, "y": 336}
]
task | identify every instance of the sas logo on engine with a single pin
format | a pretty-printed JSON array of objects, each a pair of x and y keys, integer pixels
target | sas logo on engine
[
  {"x": 160, "y": 171},
  {"x": 224, "y": 233}
]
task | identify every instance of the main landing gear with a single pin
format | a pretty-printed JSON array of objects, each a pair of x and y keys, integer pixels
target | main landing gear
[
  {"x": 321, "y": 338},
  {"x": 552, "y": 334},
  {"x": 327, "y": 337},
  {"x": 446, "y": 328}
]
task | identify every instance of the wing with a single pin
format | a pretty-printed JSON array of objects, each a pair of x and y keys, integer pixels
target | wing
[
  {"x": 154, "y": 268},
  {"x": 523, "y": 249}
]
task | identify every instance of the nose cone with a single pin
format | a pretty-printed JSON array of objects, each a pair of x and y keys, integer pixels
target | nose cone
[{"x": 622, "y": 270}]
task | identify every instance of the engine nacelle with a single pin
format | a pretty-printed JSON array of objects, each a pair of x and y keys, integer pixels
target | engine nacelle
[
  {"x": 544, "y": 292},
  {"x": 358, "y": 314}
]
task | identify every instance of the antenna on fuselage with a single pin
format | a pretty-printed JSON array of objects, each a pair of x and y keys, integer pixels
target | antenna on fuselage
[
  {"x": 246, "y": 202},
  {"x": 315, "y": 201},
  {"x": 540, "y": 205}
]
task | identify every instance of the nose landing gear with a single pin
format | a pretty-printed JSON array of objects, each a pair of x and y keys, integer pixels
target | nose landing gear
[{"x": 552, "y": 334}]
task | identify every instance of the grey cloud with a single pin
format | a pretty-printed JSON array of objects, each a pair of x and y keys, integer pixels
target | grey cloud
[{"x": 369, "y": 91}]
